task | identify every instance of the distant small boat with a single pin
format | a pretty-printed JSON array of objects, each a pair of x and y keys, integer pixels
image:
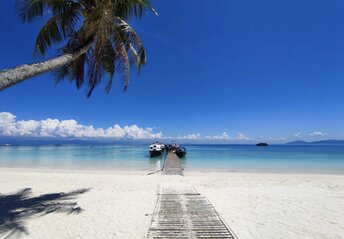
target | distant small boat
[
  {"x": 262, "y": 144},
  {"x": 156, "y": 149}
]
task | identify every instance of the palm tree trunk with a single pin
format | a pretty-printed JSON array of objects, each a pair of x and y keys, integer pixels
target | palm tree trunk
[{"x": 10, "y": 77}]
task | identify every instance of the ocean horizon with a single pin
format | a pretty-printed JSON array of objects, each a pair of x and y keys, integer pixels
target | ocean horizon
[{"x": 323, "y": 159}]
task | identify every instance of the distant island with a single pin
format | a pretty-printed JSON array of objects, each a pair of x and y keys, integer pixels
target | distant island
[
  {"x": 262, "y": 144},
  {"x": 331, "y": 141}
]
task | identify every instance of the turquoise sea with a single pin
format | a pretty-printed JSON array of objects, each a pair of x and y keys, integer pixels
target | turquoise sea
[{"x": 274, "y": 158}]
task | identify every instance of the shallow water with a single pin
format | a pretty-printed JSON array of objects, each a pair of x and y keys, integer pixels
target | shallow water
[{"x": 275, "y": 158}]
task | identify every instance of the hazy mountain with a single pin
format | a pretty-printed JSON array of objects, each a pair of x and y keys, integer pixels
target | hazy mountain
[
  {"x": 331, "y": 141},
  {"x": 32, "y": 141},
  {"x": 298, "y": 142}
]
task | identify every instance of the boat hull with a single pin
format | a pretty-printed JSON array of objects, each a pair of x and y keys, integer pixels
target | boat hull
[
  {"x": 155, "y": 153},
  {"x": 181, "y": 152}
]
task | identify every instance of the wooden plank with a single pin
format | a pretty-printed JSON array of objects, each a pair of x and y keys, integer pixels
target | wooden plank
[
  {"x": 186, "y": 216},
  {"x": 172, "y": 165}
]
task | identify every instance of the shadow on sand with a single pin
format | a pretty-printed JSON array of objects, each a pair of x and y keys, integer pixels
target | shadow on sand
[{"x": 16, "y": 209}]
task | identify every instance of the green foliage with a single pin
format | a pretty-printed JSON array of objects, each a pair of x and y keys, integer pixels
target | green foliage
[{"x": 101, "y": 24}]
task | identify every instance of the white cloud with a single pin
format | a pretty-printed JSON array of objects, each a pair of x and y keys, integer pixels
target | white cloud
[
  {"x": 6, "y": 120},
  {"x": 135, "y": 132},
  {"x": 298, "y": 134},
  {"x": 241, "y": 136},
  {"x": 317, "y": 133},
  {"x": 9, "y": 126},
  {"x": 191, "y": 137},
  {"x": 221, "y": 137},
  {"x": 224, "y": 137}
]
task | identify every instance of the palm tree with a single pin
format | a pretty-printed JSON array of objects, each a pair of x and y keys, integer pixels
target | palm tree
[{"x": 98, "y": 40}]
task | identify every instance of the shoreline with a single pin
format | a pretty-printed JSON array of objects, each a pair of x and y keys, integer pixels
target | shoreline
[{"x": 147, "y": 171}]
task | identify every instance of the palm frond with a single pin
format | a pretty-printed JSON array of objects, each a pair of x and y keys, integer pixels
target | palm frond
[
  {"x": 30, "y": 10},
  {"x": 109, "y": 58},
  {"x": 131, "y": 8},
  {"x": 63, "y": 72},
  {"x": 48, "y": 35},
  {"x": 55, "y": 30},
  {"x": 75, "y": 71},
  {"x": 65, "y": 15},
  {"x": 79, "y": 70},
  {"x": 95, "y": 70},
  {"x": 123, "y": 64},
  {"x": 133, "y": 40}
]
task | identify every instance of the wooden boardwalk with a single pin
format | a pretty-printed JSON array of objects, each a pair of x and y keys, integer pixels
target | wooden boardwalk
[
  {"x": 181, "y": 212},
  {"x": 172, "y": 165},
  {"x": 186, "y": 215}
]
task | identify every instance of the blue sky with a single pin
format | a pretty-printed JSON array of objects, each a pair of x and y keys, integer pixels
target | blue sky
[{"x": 266, "y": 69}]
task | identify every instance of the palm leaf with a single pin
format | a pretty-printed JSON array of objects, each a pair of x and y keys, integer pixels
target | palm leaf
[
  {"x": 133, "y": 40},
  {"x": 54, "y": 31},
  {"x": 48, "y": 35},
  {"x": 30, "y": 10},
  {"x": 95, "y": 70},
  {"x": 123, "y": 64},
  {"x": 129, "y": 8},
  {"x": 109, "y": 58}
]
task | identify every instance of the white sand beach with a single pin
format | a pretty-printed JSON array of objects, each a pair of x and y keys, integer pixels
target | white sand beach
[{"x": 120, "y": 204}]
